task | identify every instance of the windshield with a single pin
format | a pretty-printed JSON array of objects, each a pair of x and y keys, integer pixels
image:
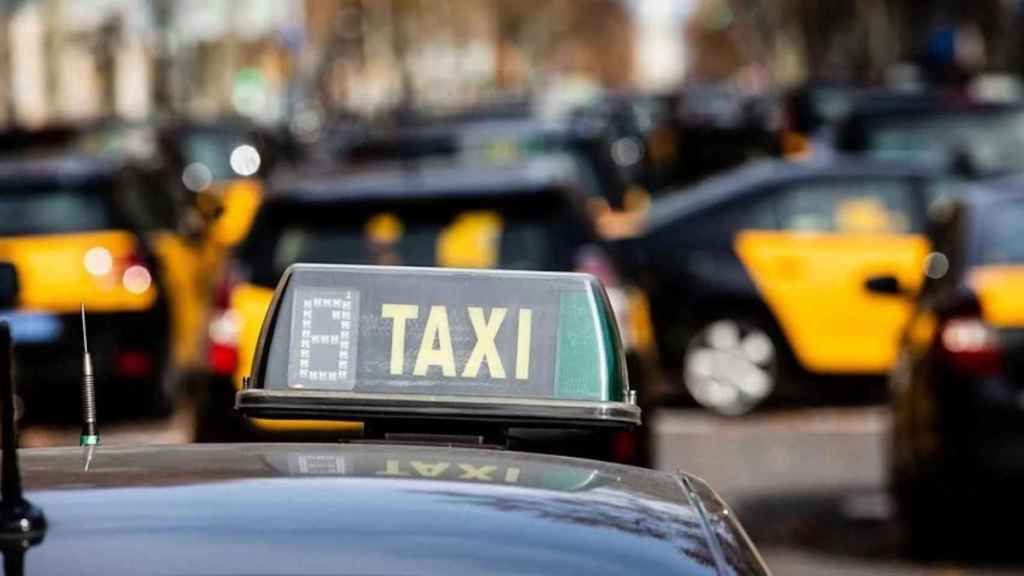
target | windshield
[
  {"x": 1004, "y": 234},
  {"x": 994, "y": 141},
  {"x": 521, "y": 235},
  {"x": 51, "y": 211}
]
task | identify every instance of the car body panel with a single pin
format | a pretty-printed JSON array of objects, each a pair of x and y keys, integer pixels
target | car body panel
[
  {"x": 240, "y": 200},
  {"x": 52, "y": 275},
  {"x": 250, "y": 304},
  {"x": 186, "y": 288},
  {"x": 1000, "y": 290},
  {"x": 721, "y": 248},
  {"x": 319, "y": 509},
  {"x": 814, "y": 285}
]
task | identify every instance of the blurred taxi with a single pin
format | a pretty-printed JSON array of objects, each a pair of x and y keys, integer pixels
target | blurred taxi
[
  {"x": 759, "y": 273},
  {"x": 71, "y": 234},
  {"x": 958, "y": 388},
  {"x": 527, "y": 215}
]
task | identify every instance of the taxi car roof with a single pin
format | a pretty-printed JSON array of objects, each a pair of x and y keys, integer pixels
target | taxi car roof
[
  {"x": 755, "y": 176},
  {"x": 432, "y": 179},
  {"x": 349, "y": 508}
]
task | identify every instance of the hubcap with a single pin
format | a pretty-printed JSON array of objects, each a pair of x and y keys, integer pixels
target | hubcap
[{"x": 730, "y": 367}]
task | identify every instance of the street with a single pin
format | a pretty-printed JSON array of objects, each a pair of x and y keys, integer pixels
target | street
[{"x": 807, "y": 484}]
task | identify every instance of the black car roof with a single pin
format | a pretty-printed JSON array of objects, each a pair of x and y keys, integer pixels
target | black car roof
[
  {"x": 62, "y": 168},
  {"x": 885, "y": 103},
  {"x": 359, "y": 509},
  {"x": 750, "y": 178},
  {"x": 435, "y": 179}
]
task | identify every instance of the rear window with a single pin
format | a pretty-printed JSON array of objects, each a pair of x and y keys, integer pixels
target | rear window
[
  {"x": 51, "y": 211},
  {"x": 1003, "y": 237},
  {"x": 518, "y": 234}
]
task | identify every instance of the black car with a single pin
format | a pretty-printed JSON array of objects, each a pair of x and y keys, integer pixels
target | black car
[
  {"x": 432, "y": 482},
  {"x": 958, "y": 421},
  {"x": 364, "y": 509},
  {"x": 756, "y": 276}
]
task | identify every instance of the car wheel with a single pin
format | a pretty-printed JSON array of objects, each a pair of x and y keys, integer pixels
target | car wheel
[
  {"x": 925, "y": 517},
  {"x": 731, "y": 366}
]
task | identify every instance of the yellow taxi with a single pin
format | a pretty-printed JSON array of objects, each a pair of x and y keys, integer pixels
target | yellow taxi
[
  {"x": 524, "y": 216},
  {"x": 73, "y": 233},
  {"x": 757, "y": 276}
]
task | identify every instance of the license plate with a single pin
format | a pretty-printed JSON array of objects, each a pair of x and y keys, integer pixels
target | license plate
[{"x": 33, "y": 327}]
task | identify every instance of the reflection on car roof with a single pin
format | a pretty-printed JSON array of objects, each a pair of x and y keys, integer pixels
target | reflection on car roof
[
  {"x": 433, "y": 179},
  {"x": 520, "y": 513}
]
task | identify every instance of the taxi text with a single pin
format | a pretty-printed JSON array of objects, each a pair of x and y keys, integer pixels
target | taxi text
[{"x": 435, "y": 348}]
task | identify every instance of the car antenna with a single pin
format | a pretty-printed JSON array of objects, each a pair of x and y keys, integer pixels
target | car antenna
[
  {"x": 22, "y": 525},
  {"x": 90, "y": 434}
]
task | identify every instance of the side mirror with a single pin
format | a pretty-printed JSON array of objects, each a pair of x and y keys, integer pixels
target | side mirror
[
  {"x": 887, "y": 285},
  {"x": 8, "y": 285}
]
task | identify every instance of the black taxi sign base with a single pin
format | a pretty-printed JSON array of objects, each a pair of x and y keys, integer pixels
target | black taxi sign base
[
  {"x": 373, "y": 343},
  {"x": 365, "y": 407}
]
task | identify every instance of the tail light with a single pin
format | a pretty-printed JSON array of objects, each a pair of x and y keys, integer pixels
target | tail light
[
  {"x": 971, "y": 346},
  {"x": 625, "y": 449},
  {"x": 225, "y": 325},
  {"x": 134, "y": 363},
  {"x": 594, "y": 261}
]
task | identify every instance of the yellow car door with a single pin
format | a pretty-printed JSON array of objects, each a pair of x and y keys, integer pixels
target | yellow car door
[
  {"x": 832, "y": 236},
  {"x": 188, "y": 294}
]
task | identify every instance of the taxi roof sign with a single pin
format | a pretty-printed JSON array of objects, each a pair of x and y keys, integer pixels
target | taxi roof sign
[{"x": 389, "y": 343}]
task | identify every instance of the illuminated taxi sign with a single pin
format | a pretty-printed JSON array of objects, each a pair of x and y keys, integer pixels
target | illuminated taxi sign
[{"x": 365, "y": 343}]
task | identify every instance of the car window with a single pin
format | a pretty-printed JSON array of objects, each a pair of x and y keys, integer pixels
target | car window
[
  {"x": 524, "y": 235},
  {"x": 1003, "y": 235},
  {"x": 847, "y": 206},
  {"x": 995, "y": 141},
  {"x": 52, "y": 211}
]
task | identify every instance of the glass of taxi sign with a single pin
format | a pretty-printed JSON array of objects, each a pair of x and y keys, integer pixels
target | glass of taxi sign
[{"x": 372, "y": 343}]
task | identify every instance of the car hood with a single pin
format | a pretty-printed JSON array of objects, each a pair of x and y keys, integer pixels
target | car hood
[{"x": 369, "y": 509}]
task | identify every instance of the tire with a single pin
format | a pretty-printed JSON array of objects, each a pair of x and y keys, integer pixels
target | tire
[
  {"x": 732, "y": 365},
  {"x": 926, "y": 519}
]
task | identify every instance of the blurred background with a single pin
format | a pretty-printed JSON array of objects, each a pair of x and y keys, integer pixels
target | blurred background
[{"x": 806, "y": 214}]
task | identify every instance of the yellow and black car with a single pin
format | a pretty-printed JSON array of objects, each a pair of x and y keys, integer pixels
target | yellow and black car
[
  {"x": 73, "y": 232},
  {"x": 957, "y": 389},
  {"x": 760, "y": 272},
  {"x": 527, "y": 215}
]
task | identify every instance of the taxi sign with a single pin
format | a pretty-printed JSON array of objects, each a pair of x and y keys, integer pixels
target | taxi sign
[{"x": 383, "y": 343}]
